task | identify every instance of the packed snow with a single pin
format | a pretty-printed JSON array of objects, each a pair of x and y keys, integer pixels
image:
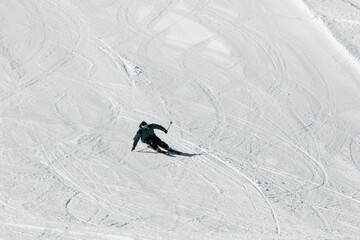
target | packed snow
[
  {"x": 265, "y": 102},
  {"x": 343, "y": 20}
]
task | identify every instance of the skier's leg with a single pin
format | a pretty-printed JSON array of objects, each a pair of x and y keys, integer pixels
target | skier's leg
[
  {"x": 162, "y": 144},
  {"x": 152, "y": 143}
]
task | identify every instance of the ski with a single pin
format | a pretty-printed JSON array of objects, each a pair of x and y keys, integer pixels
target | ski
[
  {"x": 155, "y": 152},
  {"x": 170, "y": 150},
  {"x": 164, "y": 152}
]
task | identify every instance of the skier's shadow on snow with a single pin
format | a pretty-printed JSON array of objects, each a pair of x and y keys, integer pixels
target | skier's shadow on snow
[
  {"x": 190, "y": 154},
  {"x": 184, "y": 154}
]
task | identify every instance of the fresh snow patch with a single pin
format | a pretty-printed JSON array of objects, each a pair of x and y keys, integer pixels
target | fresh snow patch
[
  {"x": 227, "y": 11},
  {"x": 219, "y": 46},
  {"x": 168, "y": 20},
  {"x": 188, "y": 33},
  {"x": 182, "y": 31},
  {"x": 143, "y": 12},
  {"x": 184, "y": 5}
]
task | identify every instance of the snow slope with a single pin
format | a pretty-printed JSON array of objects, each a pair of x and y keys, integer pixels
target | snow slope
[
  {"x": 343, "y": 20},
  {"x": 260, "y": 89}
]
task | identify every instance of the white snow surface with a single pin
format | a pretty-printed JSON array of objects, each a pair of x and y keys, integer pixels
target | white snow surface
[
  {"x": 342, "y": 17},
  {"x": 265, "y": 94}
]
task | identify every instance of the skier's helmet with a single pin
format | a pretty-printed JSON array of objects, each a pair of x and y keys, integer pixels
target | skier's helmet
[{"x": 143, "y": 125}]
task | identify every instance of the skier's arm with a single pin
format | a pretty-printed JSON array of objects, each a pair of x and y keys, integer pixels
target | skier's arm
[
  {"x": 156, "y": 126},
  {"x": 136, "y": 139}
]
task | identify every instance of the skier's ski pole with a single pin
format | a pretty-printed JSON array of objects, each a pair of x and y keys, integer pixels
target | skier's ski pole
[{"x": 169, "y": 126}]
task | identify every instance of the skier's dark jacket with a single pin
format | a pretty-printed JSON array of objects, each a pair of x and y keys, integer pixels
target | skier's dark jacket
[{"x": 144, "y": 134}]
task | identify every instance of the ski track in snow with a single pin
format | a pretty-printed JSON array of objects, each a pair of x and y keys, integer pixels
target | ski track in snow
[{"x": 262, "y": 91}]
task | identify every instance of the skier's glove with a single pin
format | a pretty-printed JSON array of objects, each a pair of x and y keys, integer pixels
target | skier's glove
[
  {"x": 165, "y": 131},
  {"x": 133, "y": 148}
]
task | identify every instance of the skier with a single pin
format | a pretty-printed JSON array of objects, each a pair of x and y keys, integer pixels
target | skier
[{"x": 147, "y": 135}]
